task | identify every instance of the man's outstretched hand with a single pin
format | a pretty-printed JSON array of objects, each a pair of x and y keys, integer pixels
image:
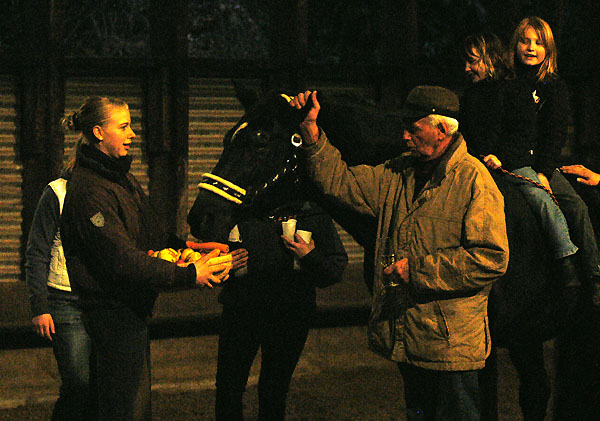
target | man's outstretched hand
[
  {"x": 584, "y": 175},
  {"x": 308, "y": 128}
]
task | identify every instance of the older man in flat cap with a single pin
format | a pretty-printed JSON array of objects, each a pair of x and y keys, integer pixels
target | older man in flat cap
[{"x": 442, "y": 217}]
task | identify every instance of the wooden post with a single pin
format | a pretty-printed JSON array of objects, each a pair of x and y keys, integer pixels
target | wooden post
[
  {"x": 503, "y": 17},
  {"x": 42, "y": 100},
  {"x": 166, "y": 112},
  {"x": 399, "y": 44},
  {"x": 586, "y": 89},
  {"x": 288, "y": 33}
]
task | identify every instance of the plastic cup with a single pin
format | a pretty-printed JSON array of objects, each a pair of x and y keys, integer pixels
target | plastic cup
[
  {"x": 305, "y": 235},
  {"x": 289, "y": 229}
]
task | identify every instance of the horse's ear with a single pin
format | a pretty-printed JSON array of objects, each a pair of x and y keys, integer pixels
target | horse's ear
[{"x": 247, "y": 95}]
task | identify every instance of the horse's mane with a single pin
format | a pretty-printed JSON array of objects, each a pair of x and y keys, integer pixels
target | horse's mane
[{"x": 363, "y": 132}]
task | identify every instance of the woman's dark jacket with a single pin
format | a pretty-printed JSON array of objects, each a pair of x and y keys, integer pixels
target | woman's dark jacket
[
  {"x": 107, "y": 228},
  {"x": 498, "y": 118},
  {"x": 271, "y": 279},
  {"x": 552, "y": 115}
]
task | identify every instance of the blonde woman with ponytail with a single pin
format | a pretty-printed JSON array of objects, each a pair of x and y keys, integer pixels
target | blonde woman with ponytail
[{"x": 108, "y": 226}]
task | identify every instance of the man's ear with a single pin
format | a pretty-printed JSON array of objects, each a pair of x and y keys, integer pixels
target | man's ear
[
  {"x": 442, "y": 127},
  {"x": 99, "y": 133}
]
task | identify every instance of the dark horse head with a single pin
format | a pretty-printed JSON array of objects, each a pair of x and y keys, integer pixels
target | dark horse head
[{"x": 259, "y": 173}]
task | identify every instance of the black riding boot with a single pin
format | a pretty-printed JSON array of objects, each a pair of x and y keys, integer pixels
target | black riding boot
[
  {"x": 595, "y": 292},
  {"x": 570, "y": 287},
  {"x": 592, "y": 289}
]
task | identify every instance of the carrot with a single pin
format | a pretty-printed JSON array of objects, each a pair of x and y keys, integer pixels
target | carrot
[
  {"x": 223, "y": 259},
  {"x": 208, "y": 246},
  {"x": 213, "y": 253}
]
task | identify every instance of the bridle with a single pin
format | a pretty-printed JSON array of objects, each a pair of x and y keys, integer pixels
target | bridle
[{"x": 248, "y": 198}]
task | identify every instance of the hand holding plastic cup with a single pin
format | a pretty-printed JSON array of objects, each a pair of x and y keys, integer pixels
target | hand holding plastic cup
[
  {"x": 306, "y": 236},
  {"x": 289, "y": 228}
]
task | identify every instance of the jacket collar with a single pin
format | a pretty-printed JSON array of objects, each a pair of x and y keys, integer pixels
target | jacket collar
[
  {"x": 110, "y": 168},
  {"x": 450, "y": 159}
]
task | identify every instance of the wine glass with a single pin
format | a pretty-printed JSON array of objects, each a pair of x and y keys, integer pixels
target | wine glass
[{"x": 388, "y": 259}]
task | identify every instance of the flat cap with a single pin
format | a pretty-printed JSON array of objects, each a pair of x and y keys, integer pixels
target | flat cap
[{"x": 425, "y": 100}]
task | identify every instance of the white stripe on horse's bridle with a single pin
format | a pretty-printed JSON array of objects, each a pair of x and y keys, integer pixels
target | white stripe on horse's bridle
[{"x": 220, "y": 186}]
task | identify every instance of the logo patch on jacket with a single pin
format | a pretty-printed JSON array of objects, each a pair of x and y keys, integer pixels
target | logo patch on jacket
[{"x": 98, "y": 220}]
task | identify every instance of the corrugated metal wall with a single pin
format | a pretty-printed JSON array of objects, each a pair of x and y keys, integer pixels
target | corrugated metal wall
[
  {"x": 214, "y": 109},
  {"x": 10, "y": 184}
]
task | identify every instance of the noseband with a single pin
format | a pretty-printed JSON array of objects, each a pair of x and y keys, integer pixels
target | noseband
[{"x": 240, "y": 196}]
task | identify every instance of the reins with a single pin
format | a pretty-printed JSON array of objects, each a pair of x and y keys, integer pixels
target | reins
[{"x": 529, "y": 180}]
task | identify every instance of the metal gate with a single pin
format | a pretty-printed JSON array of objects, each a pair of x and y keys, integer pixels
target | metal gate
[{"x": 11, "y": 170}]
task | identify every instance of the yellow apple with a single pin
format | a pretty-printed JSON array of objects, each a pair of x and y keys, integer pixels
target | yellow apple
[
  {"x": 186, "y": 254},
  {"x": 168, "y": 254}
]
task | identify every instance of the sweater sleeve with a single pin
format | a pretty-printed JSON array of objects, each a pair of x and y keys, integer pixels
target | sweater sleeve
[
  {"x": 326, "y": 262},
  {"x": 110, "y": 250},
  {"x": 552, "y": 125},
  {"x": 39, "y": 244}
]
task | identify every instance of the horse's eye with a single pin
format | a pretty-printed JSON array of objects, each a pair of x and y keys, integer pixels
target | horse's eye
[{"x": 261, "y": 140}]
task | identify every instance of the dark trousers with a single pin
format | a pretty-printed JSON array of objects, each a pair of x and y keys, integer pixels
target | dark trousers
[
  {"x": 281, "y": 333},
  {"x": 72, "y": 349},
  {"x": 578, "y": 368},
  {"x": 440, "y": 395},
  {"x": 577, "y": 376},
  {"x": 579, "y": 222},
  {"x": 122, "y": 347},
  {"x": 534, "y": 384}
]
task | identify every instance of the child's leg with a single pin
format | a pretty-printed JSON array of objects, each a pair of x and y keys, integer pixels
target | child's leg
[
  {"x": 548, "y": 213},
  {"x": 580, "y": 225}
]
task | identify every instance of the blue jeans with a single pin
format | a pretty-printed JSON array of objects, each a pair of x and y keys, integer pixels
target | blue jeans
[
  {"x": 433, "y": 395},
  {"x": 551, "y": 218},
  {"x": 72, "y": 347}
]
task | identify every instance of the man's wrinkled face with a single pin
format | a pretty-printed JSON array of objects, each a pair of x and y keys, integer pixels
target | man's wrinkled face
[{"x": 424, "y": 140}]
